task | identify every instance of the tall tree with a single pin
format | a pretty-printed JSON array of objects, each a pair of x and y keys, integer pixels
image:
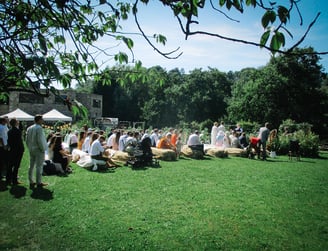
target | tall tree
[
  {"x": 34, "y": 36},
  {"x": 288, "y": 87}
]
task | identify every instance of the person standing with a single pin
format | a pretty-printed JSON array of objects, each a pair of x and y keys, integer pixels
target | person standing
[
  {"x": 214, "y": 133},
  {"x": 37, "y": 146},
  {"x": 263, "y": 136},
  {"x": 16, "y": 151},
  {"x": 221, "y": 127},
  {"x": 3, "y": 146}
]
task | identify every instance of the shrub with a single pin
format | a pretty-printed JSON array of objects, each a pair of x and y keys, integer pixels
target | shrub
[
  {"x": 249, "y": 127},
  {"x": 309, "y": 143},
  {"x": 290, "y": 126}
]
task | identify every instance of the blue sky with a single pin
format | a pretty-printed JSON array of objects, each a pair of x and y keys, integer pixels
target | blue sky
[{"x": 202, "y": 51}]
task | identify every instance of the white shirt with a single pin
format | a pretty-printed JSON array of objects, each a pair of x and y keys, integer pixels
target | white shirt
[
  {"x": 72, "y": 139},
  {"x": 121, "y": 142},
  {"x": 86, "y": 144},
  {"x": 214, "y": 133},
  {"x": 111, "y": 139},
  {"x": 221, "y": 128},
  {"x": 154, "y": 139},
  {"x": 193, "y": 140},
  {"x": 96, "y": 148}
]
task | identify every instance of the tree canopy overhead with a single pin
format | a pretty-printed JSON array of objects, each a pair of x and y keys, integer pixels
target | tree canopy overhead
[{"x": 48, "y": 41}]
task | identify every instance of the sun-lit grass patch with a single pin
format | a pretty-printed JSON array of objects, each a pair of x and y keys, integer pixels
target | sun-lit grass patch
[{"x": 211, "y": 204}]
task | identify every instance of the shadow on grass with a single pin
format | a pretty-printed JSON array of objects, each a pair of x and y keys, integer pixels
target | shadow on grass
[
  {"x": 41, "y": 193},
  {"x": 205, "y": 157},
  {"x": 303, "y": 160},
  {"x": 3, "y": 186},
  {"x": 18, "y": 191}
]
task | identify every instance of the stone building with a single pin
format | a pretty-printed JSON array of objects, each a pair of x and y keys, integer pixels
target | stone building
[{"x": 34, "y": 104}]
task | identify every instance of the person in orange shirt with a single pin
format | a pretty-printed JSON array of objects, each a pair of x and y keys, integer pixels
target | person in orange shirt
[
  {"x": 174, "y": 137},
  {"x": 165, "y": 142}
]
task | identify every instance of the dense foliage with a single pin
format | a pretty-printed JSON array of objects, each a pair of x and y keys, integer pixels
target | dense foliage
[
  {"x": 43, "y": 42},
  {"x": 288, "y": 87}
]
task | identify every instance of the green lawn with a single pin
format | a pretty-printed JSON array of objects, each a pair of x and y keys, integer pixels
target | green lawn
[{"x": 211, "y": 204}]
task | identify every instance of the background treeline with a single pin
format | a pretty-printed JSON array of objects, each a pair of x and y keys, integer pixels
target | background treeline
[{"x": 289, "y": 87}]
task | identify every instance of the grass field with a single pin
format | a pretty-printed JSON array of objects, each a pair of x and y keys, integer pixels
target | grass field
[{"x": 211, "y": 204}]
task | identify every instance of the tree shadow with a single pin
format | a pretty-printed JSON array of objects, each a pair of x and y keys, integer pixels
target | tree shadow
[
  {"x": 18, "y": 191},
  {"x": 41, "y": 193},
  {"x": 3, "y": 186}
]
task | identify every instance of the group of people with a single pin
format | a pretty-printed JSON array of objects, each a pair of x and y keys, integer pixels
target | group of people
[
  {"x": 12, "y": 150},
  {"x": 59, "y": 148},
  {"x": 236, "y": 138}
]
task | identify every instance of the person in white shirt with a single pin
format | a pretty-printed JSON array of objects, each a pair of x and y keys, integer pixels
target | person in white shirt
[
  {"x": 194, "y": 142},
  {"x": 37, "y": 146},
  {"x": 4, "y": 148},
  {"x": 154, "y": 137},
  {"x": 110, "y": 140},
  {"x": 97, "y": 153},
  {"x": 122, "y": 141},
  {"x": 194, "y": 139},
  {"x": 72, "y": 141},
  {"x": 221, "y": 127},
  {"x": 86, "y": 143},
  {"x": 214, "y": 133}
]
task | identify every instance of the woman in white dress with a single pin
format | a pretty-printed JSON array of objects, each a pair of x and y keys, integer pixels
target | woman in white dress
[{"x": 214, "y": 133}]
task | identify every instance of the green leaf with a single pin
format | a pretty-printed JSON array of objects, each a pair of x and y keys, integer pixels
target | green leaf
[
  {"x": 229, "y": 4},
  {"x": 269, "y": 16},
  {"x": 59, "y": 39},
  {"x": 283, "y": 14},
  {"x": 238, "y": 5},
  {"x": 138, "y": 65},
  {"x": 251, "y": 2},
  {"x": 121, "y": 57},
  {"x": 275, "y": 44},
  {"x": 43, "y": 43},
  {"x": 195, "y": 8},
  {"x": 280, "y": 38},
  {"x": 264, "y": 38},
  {"x": 128, "y": 42},
  {"x": 160, "y": 38},
  {"x": 222, "y": 2}
]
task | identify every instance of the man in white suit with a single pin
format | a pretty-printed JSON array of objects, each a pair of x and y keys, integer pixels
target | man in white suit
[{"x": 37, "y": 145}]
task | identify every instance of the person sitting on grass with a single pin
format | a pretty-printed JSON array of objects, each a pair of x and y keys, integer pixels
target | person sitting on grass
[
  {"x": 60, "y": 155},
  {"x": 97, "y": 153},
  {"x": 86, "y": 142}
]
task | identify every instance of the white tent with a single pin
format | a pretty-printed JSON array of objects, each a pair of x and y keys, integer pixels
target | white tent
[
  {"x": 55, "y": 115},
  {"x": 20, "y": 115}
]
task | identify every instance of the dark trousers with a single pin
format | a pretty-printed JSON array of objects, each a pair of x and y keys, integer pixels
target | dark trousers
[
  {"x": 14, "y": 162},
  {"x": 3, "y": 161},
  {"x": 199, "y": 148},
  {"x": 263, "y": 144}
]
